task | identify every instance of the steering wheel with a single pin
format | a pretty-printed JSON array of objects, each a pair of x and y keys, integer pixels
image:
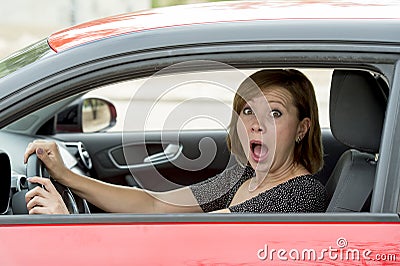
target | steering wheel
[{"x": 35, "y": 167}]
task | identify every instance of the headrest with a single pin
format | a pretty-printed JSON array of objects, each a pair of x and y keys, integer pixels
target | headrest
[{"x": 357, "y": 109}]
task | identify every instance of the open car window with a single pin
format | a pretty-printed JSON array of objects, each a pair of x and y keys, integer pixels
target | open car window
[
  {"x": 165, "y": 119},
  {"x": 208, "y": 103}
]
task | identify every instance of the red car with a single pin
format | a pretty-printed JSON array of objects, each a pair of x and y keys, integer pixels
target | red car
[{"x": 136, "y": 100}]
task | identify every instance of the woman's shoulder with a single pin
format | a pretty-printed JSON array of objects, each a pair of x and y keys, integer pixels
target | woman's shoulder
[
  {"x": 307, "y": 183},
  {"x": 216, "y": 192},
  {"x": 308, "y": 190},
  {"x": 232, "y": 176},
  {"x": 236, "y": 173},
  {"x": 306, "y": 179}
]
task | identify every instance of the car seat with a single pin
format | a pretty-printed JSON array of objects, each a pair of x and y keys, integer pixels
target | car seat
[{"x": 357, "y": 111}]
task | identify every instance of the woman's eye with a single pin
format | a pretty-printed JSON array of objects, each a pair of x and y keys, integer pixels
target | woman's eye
[
  {"x": 275, "y": 113},
  {"x": 247, "y": 111}
]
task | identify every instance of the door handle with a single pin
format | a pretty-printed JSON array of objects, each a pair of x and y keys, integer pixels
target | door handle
[{"x": 170, "y": 153}]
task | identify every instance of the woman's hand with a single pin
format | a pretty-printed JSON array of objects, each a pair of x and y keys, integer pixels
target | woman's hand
[
  {"x": 49, "y": 154},
  {"x": 44, "y": 200}
]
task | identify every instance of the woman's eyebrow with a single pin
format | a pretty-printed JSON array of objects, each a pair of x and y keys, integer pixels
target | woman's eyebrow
[{"x": 283, "y": 103}]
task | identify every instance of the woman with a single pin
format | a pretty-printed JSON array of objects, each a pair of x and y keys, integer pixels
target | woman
[{"x": 277, "y": 146}]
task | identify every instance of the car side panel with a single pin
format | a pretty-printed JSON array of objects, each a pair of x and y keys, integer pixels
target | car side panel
[{"x": 206, "y": 243}]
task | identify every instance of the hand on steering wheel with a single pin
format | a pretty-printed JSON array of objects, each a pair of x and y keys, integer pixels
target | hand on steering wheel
[{"x": 46, "y": 196}]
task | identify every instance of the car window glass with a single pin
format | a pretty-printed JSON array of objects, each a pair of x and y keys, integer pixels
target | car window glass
[{"x": 190, "y": 103}]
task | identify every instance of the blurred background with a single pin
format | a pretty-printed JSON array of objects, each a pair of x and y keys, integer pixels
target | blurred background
[{"x": 23, "y": 22}]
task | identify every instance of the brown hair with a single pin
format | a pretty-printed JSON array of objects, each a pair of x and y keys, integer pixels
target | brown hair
[{"x": 309, "y": 151}]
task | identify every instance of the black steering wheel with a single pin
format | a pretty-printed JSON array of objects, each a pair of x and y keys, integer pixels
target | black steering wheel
[{"x": 35, "y": 167}]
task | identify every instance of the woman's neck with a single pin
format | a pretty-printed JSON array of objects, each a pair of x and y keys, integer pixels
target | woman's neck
[{"x": 281, "y": 175}]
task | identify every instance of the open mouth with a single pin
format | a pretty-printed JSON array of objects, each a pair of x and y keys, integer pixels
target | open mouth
[{"x": 259, "y": 152}]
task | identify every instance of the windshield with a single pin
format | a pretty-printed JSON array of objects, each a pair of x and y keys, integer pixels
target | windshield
[{"x": 24, "y": 57}]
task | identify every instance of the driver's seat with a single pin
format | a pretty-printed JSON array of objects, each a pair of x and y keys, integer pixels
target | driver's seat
[{"x": 357, "y": 111}]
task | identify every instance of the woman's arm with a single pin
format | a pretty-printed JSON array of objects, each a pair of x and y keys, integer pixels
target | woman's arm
[
  {"x": 108, "y": 197},
  {"x": 115, "y": 198}
]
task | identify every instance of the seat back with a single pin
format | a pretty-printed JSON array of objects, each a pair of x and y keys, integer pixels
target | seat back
[{"x": 357, "y": 111}]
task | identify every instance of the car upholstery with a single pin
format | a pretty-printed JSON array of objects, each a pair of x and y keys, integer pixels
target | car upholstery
[{"x": 357, "y": 112}]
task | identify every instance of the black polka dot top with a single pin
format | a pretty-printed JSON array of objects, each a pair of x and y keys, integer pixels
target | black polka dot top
[{"x": 300, "y": 194}]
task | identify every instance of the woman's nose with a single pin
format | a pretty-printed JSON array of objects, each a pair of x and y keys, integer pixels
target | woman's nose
[{"x": 256, "y": 127}]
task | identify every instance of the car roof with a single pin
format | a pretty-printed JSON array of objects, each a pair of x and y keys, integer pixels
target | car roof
[{"x": 222, "y": 12}]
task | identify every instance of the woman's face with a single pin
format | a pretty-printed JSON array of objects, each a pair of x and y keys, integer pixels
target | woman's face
[{"x": 267, "y": 128}]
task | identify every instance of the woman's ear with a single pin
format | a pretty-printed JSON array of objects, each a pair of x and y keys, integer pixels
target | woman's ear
[{"x": 303, "y": 128}]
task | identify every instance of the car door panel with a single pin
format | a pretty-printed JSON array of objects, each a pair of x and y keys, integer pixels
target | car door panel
[{"x": 173, "y": 155}]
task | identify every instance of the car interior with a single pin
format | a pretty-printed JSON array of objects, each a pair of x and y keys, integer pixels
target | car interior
[
  {"x": 357, "y": 111},
  {"x": 351, "y": 146}
]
